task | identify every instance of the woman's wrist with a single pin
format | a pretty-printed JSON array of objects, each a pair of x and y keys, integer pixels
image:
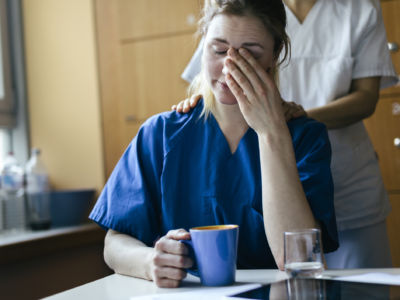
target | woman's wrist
[
  {"x": 277, "y": 136},
  {"x": 149, "y": 266}
]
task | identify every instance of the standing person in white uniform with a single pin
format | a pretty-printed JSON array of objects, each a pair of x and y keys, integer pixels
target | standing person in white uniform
[{"x": 339, "y": 60}]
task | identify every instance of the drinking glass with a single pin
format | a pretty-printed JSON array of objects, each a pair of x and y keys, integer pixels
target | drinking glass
[{"x": 303, "y": 253}]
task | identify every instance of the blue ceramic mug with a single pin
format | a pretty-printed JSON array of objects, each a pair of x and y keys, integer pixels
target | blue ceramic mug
[{"x": 214, "y": 250}]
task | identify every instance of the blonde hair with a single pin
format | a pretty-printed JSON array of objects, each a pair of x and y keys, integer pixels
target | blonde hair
[{"x": 271, "y": 13}]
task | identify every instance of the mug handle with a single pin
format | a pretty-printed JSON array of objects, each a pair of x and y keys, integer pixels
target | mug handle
[{"x": 193, "y": 270}]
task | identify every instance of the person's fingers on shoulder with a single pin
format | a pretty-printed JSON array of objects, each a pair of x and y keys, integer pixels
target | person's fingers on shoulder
[
  {"x": 299, "y": 113},
  {"x": 173, "y": 107},
  {"x": 186, "y": 105},
  {"x": 179, "y": 107},
  {"x": 194, "y": 100}
]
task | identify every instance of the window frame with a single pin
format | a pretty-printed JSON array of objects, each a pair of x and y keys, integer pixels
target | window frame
[
  {"x": 18, "y": 135},
  {"x": 7, "y": 104}
]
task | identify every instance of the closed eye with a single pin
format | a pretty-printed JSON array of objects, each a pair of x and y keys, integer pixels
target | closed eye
[{"x": 220, "y": 52}]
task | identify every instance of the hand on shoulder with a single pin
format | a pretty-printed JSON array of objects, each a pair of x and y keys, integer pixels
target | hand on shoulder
[{"x": 187, "y": 105}]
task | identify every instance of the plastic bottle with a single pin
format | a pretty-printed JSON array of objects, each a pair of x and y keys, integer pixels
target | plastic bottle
[
  {"x": 12, "y": 194},
  {"x": 37, "y": 192}
]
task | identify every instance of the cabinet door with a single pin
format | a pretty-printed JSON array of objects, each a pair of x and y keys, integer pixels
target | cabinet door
[
  {"x": 383, "y": 128},
  {"x": 391, "y": 18},
  {"x": 143, "y": 46},
  {"x": 151, "y": 77},
  {"x": 144, "y": 19},
  {"x": 393, "y": 225}
]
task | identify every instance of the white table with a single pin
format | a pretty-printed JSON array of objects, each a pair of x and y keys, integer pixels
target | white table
[{"x": 123, "y": 287}]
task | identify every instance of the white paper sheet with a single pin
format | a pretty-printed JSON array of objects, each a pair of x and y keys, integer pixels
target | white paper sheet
[
  {"x": 381, "y": 278},
  {"x": 201, "y": 294}
]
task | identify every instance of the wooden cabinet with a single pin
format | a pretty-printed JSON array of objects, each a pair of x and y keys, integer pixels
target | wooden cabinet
[
  {"x": 384, "y": 127},
  {"x": 393, "y": 224},
  {"x": 143, "y": 46},
  {"x": 144, "y": 19},
  {"x": 39, "y": 264},
  {"x": 390, "y": 12}
]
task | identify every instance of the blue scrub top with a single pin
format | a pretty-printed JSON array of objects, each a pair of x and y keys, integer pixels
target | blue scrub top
[{"x": 178, "y": 172}]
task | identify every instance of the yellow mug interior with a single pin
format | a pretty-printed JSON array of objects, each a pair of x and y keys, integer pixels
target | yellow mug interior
[{"x": 215, "y": 227}]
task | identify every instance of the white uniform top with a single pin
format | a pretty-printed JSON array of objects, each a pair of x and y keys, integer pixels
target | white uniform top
[{"x": 340, "y": 40}]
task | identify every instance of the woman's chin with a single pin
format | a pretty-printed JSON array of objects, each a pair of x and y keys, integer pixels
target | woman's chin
[
  {"x": 227, "y": 100},
  {"x": 225, "y": 97}
]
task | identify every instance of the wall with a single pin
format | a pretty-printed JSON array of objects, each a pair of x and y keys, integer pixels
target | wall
[{"x": 63, "y": 92}]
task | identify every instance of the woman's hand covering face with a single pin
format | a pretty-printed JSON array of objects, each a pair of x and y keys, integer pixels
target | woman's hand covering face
[{"x": 255, "y": 91}]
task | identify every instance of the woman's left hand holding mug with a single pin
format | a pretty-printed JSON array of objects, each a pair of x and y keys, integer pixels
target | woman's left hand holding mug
[
  {"x": 257, "y": 95},
  {"x": 170, "y": 259}
]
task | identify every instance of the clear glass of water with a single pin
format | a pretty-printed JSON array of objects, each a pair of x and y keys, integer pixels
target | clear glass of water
[{"x": 303, "y": 253}]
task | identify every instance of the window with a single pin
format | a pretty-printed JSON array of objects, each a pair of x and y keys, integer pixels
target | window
[{"x": 13, "y": 116}]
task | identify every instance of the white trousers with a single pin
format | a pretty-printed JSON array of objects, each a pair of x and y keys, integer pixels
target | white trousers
[{"x": 366, "y": 247}]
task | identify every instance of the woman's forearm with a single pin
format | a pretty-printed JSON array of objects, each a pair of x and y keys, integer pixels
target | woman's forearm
[
  {"x": 359, "y": 104},
  {"x": 127, "y": 255},
  {"x": 285, "y": 206}
]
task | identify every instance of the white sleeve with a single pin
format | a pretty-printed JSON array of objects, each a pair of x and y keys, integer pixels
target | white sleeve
[
  {"x": 194, "y": 66},
  {"x": 371, "y": 53}
]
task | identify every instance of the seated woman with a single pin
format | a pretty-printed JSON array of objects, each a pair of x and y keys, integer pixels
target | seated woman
[{"x": 231, "y": 160}]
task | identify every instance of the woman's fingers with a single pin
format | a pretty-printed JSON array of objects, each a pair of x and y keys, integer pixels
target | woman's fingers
[
  {"x": 236, "y": 91},
  {"x": 166, "y": 282},
  {"x": 262, "y": 74},
  {"x": 243, "y": 75},
  {"x": 168, "y": 277},
  {"x": 178, "y": 234},
  {"x": 171, "y": 246},
  {"x": 162, "y": 259},
  {"x": 170, "y": 259},
  {"x": 171, "y": 273},
  {"x": 249, "y": 70},
  {"x": 170, "y": 242}
]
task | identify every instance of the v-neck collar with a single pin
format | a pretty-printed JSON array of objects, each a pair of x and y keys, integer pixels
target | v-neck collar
[
  {"x": 309, "y": 16},
  {"x": 225, "y": 149}
]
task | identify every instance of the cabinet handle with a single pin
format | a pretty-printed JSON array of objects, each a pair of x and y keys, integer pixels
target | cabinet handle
[
  {"x": 393, "y": 47},
  {"x": 396, "y": 142}
]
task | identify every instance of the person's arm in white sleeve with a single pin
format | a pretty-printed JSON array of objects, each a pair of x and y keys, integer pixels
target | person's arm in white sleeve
[{"x": 359, "y": 104}]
